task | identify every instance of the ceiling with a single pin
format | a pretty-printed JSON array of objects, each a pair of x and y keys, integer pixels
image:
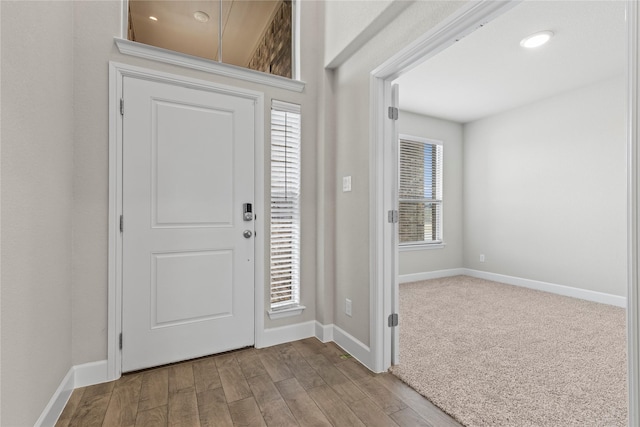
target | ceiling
[
  {"x": 488, "y": 72},
  {"x": 244, "y": 23}
]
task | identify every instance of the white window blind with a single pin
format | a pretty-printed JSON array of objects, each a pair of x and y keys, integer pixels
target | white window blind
[
  {"x": 420, "y": 192},
  {"x": 285, "y": 204}
]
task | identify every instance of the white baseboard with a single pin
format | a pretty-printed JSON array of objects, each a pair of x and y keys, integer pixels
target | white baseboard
[
  {"x": 553, "y": 288},
  {"x": 324, "y": 332},
  {"x": 417, "y": 277},
  {"x": 54, "y": 408},
  {"x": 352, "y": 346},
  {"x": 78, "y": 376},
  {"x": 283, "y": 334},
  {"x": 91, "y": 373}
]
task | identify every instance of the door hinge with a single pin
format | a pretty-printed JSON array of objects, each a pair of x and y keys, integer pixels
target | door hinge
[
  {"x": 121, "y": 223},
  {"x": 393, "y": 320},
  {"x": 392, "y": 216},
  {"x": 393, "y": 113},
  {"x": 120, "y": 341},
  {"x": 122, "y": 106}
]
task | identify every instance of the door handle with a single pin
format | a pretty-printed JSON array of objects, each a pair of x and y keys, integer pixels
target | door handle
[{"x": 247, "y": 234}]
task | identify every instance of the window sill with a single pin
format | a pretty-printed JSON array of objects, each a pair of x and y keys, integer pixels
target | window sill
[
  {"x": 127, "y": 47},
  {"x": 408, "y": 248},
  {"x": 295, "y": 310}
]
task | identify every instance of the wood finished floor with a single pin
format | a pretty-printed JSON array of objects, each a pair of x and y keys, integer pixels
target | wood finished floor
[{"x": 304, "y": 383}]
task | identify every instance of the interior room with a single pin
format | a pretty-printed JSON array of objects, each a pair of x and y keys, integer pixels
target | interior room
[
  {"x": 519, "y": 182},
  {"x": 197, "y": 232}
]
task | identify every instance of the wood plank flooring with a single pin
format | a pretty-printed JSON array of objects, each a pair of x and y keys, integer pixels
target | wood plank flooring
[{"x": 304, "y": 383}]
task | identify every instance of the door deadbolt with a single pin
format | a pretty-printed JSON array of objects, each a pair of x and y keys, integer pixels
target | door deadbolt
[{"x": 247, "y": 212}]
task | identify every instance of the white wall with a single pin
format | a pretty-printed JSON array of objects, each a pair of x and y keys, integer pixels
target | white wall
[
  {"x": 96, "y": 23},
  {"x": 419, "y": 261},
  {"x": 37, "y": 161},
  {"x": 545, "y": 190}
]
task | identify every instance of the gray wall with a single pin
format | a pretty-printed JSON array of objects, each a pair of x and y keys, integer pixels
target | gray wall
[
  {"x": 37, "y": 184},
  {"x": 347, "y": 19},
  {"x": 545, "y": 190},
  {"x": 352, "y": 141},
  {"x": 450, "y": 133},
  {"x": 54, "y": 134}
]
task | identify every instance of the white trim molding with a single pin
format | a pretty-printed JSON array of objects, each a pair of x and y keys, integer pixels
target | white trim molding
[
  {"x": 353, "y": 346},
  {"x": 117, "y": 72},
  {"x": 346, "y": 341},
  {"x": 421, "y": 247},
  {"x": 324, "y": 332},
  {"x": 288, "y": 333},
  {"x": 58, "y": 401},
  {"x": 295, "y": 310},
  {"x": 428, "y": 275},
  {"x": 633, "y": 202},
  {"x": 553, "y": 288},
  {"x": 140, "y": 50},
  {"x": 78, "y": 376},
  {"x": 90, "y": 373},
  {"x": 569, "y": 291}
]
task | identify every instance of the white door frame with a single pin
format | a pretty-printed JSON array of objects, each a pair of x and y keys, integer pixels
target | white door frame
[
  {"x": 117, "y": 72},
  {"x": 383, "y": 251}
]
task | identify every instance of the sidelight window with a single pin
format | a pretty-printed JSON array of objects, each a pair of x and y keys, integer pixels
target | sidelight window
[{"x": 285, "y": 205}]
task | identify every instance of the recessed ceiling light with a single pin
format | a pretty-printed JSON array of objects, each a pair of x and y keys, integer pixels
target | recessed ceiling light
[
  {"x": 536, "y": 40},
  {"x": 153, "y": 18},
  {"x": 200, "y": 16}
]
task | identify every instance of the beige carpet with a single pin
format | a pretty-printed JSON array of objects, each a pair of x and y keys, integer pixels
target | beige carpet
[{"x": 491, "y": 354}]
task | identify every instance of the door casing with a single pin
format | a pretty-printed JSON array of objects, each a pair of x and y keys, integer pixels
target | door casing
[{"x": 117, "y": 72}]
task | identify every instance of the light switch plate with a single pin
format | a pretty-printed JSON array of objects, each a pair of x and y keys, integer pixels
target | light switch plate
[{"x": 346, "y": 184}]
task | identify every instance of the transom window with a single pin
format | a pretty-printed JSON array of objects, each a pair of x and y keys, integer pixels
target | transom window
[
  {"x": 420, "y": 191},
  {"x": 254, "y": 34}
]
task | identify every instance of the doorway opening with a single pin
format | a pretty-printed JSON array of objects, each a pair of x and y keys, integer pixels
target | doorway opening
[{"x": 385, "y": 279}]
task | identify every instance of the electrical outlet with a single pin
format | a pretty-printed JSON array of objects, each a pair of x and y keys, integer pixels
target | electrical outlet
[
  {"x": 346, "y": 184},
  {"x": 347, "y": 306},
  {"x": 481, "y": 257}
]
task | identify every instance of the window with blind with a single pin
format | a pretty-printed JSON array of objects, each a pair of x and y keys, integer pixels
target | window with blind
[
  {"x": 420, "y": 191},
  {"x": 285, "y": 205}
]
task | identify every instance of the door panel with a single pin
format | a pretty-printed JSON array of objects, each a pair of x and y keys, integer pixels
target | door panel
[
  {"x": 194, "y": 300},
  {"x": 193, "y": 178},
  {"x": 188, "y": 271}
]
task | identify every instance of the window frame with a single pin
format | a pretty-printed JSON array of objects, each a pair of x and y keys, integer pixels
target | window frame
[
  {"x": 292, "y": 307},
  {"x": 422, "y": 245},
  {"x": 141, "y": 50}
]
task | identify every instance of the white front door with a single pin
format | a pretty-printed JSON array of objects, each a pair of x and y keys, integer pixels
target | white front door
[{"x": 188, "y": 268}]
